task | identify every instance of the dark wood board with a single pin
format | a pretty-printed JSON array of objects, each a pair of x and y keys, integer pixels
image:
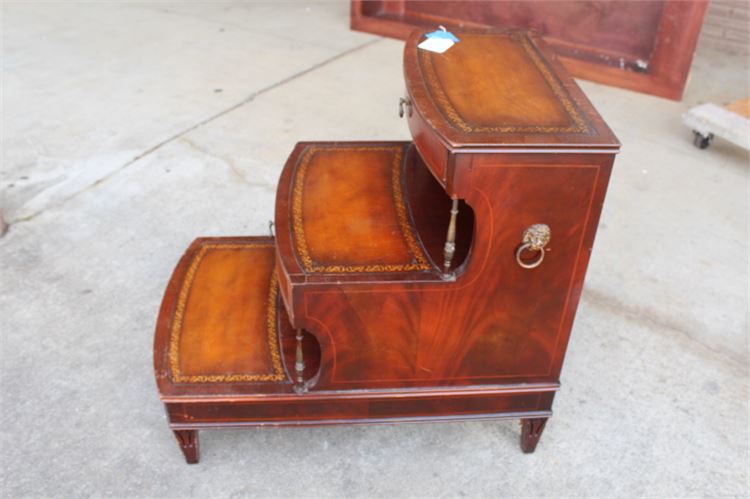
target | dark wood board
[{"x": 646, "y": 46}]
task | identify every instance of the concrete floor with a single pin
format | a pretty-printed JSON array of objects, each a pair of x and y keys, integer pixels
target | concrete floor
[{"x": 131, "y": 128}]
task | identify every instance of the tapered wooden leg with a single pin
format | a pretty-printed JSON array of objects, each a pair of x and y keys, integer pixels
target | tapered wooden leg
[
  {"x": 188, "y": 440},
  {"x": 531, "y": 430}
]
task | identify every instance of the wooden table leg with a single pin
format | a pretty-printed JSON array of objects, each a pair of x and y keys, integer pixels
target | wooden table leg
[
  {"x": 531, "y": 430},
  {"x": 188, "y": 440}
]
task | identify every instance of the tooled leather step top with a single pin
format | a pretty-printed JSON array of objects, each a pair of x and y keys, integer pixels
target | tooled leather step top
[
  {"x": 221, "y": 330},
  {"x": 342, "y": 215},
  {"x": 346, "y": 212},
  {"x": 498, "y": 90}
]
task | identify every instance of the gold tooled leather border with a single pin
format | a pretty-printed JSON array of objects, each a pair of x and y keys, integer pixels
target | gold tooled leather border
[
  {"x": 579, "y": 123},
  {"x": 271, "y": 325},
  {"x": 419, "y": 262}
]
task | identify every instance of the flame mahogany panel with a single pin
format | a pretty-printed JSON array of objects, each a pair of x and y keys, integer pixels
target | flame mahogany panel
[{"x": 496, "y": 323}]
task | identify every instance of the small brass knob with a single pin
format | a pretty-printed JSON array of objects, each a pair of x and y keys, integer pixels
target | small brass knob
[
  {"x": 403, "y": 101},
  {"x": 535, "y": 238}
]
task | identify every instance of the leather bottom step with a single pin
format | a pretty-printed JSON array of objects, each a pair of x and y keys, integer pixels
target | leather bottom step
[{"x": 221, "y": 330}]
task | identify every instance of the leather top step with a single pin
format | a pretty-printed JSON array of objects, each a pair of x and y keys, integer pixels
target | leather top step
[
  {"x": 495, "y": 91},
  {"x": 499, "y": 89}
]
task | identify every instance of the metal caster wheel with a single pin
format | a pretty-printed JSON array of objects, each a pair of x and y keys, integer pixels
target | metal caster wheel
[{"x": 702, "y": 141}]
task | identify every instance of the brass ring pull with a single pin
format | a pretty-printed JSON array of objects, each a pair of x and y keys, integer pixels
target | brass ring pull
[
  {"x": 535, "y": 238},
  {"x": 533, "y": 264}
]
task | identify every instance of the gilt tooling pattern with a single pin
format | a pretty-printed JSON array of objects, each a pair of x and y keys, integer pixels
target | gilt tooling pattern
[
  {"x": 277, "y": 371},
  {"x": 415, "y": 259},
  {"x": 575, "y": 121}
]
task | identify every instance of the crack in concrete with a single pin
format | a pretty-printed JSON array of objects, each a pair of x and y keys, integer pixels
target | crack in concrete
[
  {"x": 204, "y": 121},
  {"x": 3, "y": 225},
  {"x": 227, "y": 161},
  {"x": 224, "y": 23},
  {"x": 656, "y": 320}
]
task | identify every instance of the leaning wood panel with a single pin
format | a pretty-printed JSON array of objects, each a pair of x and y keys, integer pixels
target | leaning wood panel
[{"x": 645, "y": 46}]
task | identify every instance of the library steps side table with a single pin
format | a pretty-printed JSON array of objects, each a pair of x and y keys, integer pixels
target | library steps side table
[{"x": 431, "y": 280}]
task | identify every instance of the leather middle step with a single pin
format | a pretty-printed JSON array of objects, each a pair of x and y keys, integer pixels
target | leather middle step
[{"x": 342, "y": 215}]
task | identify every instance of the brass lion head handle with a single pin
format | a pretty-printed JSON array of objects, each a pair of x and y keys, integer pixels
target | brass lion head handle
[{"x": 535, "y": 238}]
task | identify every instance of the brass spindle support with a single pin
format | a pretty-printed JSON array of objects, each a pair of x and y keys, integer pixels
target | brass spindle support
[
  {"x": 299, "y": 365},
  {"x": 450, "y": 239}
]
